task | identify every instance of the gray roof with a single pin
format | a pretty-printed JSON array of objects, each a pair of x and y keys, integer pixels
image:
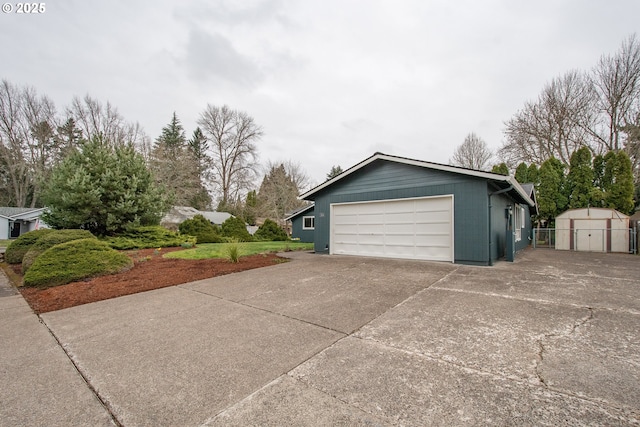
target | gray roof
[
  {"x": 216, "y": 217},
  {"x": 177, "y": 214},
  {"x": 11, "y": 212},
  {"x": 299, "y": 211}
]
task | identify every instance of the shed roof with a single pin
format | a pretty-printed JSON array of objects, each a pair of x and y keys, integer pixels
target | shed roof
[{"x": 503, "y": 181}]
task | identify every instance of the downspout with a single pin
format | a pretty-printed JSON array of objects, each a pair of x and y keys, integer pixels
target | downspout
[{"x": 504, "y": 190}]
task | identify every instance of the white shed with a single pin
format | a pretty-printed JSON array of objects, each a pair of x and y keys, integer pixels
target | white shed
[{"x": 592, "y": 230}]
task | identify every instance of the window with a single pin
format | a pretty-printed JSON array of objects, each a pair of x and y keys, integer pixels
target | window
[
  {"x": 518, "y": 221},
  {"x": 308, "y": 222}
]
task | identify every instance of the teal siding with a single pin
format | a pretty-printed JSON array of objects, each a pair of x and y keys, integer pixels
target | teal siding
[
  {"x": 388, "y": 180},
  {"x": 297, "y": 232}
]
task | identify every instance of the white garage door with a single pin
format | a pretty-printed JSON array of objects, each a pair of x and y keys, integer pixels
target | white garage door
[{"x": 417, "y": 228}]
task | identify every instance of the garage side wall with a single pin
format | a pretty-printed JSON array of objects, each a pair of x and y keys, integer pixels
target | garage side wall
[
  {"x": 388, "y": 180},
  {"x": 297, "y": 229}
]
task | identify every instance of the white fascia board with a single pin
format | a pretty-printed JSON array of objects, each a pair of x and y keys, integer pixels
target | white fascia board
[{"x": 437, "y": 166}]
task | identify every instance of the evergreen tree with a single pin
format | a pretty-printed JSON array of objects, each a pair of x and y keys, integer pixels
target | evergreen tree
[
  {"x": 172, "y": 137},
  {"x": 580, "y": 179},
  {"x": 250, "y": 207},
  {"x": 173, "y": 164},
  {"x": 197, "y": 147},
  {"x": 501, "y": 169},
  {"x": 103, "y": 188},
  {"x": 522, "y": 173},
  {"x": 617, "y": 182},
  {"x": 551, "y": 197},
  {"x": 532, "y": 174},
  {"x": 278, "y": 194},
  {"x": 335, "y": 171},
  {"x": 68, "y": 137}
]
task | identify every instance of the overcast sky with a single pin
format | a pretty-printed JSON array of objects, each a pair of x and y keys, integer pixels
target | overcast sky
[{"x": 330, "y": 81}]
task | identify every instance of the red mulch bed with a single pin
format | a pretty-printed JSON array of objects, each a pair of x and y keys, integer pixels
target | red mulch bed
[{"x": 150, "y": 271}]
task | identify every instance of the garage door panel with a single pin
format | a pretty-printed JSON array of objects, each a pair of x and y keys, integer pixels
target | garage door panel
[{"x": 420, "y": 228}]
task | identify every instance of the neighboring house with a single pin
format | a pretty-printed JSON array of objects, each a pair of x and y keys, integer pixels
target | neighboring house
[
  {"x": 592, "y": 230},
  {"x": 17, "y": 221},
  {"x": 302, "y": 223},
  {"x": 178, "y": 214},
  {"x": 395, "y": 207}
]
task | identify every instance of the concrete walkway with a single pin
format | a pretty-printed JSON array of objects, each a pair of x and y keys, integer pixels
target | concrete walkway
[{"x": 553, "y": 339}]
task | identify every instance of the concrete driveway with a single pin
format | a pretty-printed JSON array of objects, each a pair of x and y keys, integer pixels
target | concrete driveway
[{"x": 552, "y": 339}]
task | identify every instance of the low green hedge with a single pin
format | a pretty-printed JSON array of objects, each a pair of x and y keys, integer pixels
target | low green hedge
[
  {"x": 49, "y": 240},
  {"x": 201, "y": 229},
  {"x": 19, "y": 247},
  {"x": 75, "y": 260},
  {"x": 269, "y": 231},
  {"x": 153, "y": 236}
]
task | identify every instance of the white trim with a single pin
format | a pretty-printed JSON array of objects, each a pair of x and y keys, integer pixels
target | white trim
[
  {"x": 313, "y": 220},
  {"x": 436, "y": 166}
]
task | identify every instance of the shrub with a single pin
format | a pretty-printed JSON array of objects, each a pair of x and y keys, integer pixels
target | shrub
[
  {"x": 152, "y": 236},
  {"x": 201, "y": 228},
  {"x": 19, "y": 247},
  {"x": 75, "y": 260},
  {"x": 270, "y": 231},
  {"x": 235, "y": 228},
  {"x": 50, "y": 240}
]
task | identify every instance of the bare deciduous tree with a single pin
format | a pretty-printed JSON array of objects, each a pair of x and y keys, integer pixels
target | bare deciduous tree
[
  {"x": 97, "y": 119},
  {"x": 232, "y": 136},
  {"x": 617, "y": 80},
  {"x": 473, "y": 153},
  {"x": 27, "y": 142},
  {"x": 555, "y": 125}
]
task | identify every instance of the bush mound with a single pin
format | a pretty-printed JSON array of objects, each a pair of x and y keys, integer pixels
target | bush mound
[
  {"x": 49, "y": 240},
  {"x": 272, "y": 232},
  {"x": 75, "y": 260},
  {"x": 19, "y": 247},
  {"x": 235, "y": 229},
  {"x": 152, "y": 236},
  {"x": 202, "y": 229}
]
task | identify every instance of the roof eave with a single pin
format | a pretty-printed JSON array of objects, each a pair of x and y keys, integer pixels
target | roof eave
[{"x": 437, "y": 166}]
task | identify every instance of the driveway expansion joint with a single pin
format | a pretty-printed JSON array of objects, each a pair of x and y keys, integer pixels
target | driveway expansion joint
[{"x": 104, "y": 403}]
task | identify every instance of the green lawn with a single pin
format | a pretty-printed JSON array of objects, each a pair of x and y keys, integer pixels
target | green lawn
[
  {"x": 217, "y": 250},
  {"x": 4, "y": 243}
]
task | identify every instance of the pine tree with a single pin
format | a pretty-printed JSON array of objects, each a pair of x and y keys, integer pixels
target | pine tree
[
  {"x": 335, "y": 171},
  {"x": 174, "y": 167},
  {"x": 103, "y": 188}
]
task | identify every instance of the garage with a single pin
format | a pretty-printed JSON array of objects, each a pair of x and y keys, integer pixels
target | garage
[
  {"x": 414, "y": 228},
  {"x": 396, "y": 207}
]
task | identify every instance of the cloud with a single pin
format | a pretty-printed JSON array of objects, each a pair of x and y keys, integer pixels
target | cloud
[{"x": 213, "y": 56}]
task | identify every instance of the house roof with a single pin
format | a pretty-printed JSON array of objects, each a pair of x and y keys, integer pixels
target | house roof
[
  {"x": 177, "y": 214},
  {"x": 506, "y": 181},
  {"x": 11, "y": 212},
  {"x": 300, "y": 211},
  {"x": 215, "y": 216}
]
